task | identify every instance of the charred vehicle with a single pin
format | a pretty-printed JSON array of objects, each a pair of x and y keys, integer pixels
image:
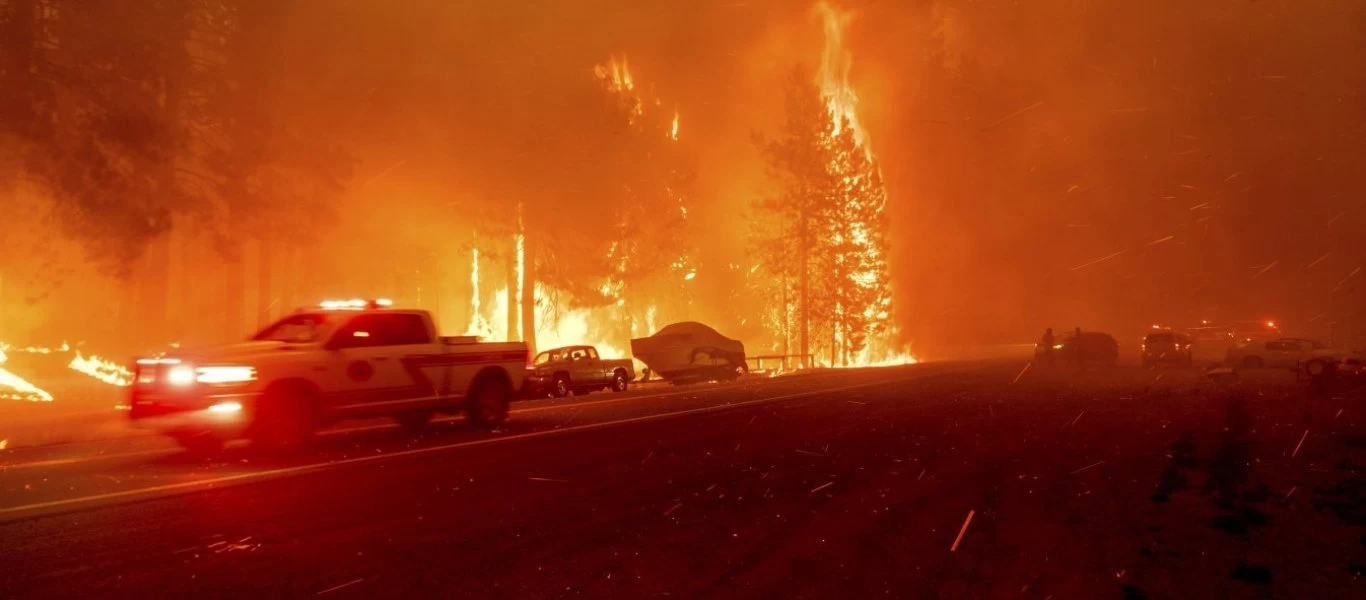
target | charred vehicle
[{"x": 691, "y": 352}]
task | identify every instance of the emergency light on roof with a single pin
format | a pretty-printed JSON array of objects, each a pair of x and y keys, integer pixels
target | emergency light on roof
[{"x": 356, "y": 304}]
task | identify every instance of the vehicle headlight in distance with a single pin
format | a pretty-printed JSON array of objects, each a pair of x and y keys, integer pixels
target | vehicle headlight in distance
[
  {"x": 180, "y": 375},
  {"x": 225, "y": 374}
]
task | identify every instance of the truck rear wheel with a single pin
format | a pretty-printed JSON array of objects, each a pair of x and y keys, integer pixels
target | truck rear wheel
[
  {"x": 488, "y": 403},
  {"x": 619, "y": 383},
  {"x": 1318, "y": 368}
]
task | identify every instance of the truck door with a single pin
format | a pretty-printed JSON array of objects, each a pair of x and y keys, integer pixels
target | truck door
[
  {"x": 592, "y": 364},
  {"x": 377, "y": 364}
]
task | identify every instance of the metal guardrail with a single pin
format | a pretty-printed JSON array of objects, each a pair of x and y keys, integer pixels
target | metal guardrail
[{"x": 785, "y": 361}]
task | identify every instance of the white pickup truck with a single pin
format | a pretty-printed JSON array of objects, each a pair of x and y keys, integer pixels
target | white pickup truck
[{"x": 343, "y": 360}]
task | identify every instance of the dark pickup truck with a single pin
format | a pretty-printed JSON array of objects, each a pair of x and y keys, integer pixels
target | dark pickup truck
[{"x": 577, "y": 370}]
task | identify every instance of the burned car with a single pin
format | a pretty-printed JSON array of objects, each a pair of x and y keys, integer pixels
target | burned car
[{"x": 691, "y": 352}]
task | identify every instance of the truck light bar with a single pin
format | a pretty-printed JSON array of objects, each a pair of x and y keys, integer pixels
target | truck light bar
[{"x": 355, "y": 304}]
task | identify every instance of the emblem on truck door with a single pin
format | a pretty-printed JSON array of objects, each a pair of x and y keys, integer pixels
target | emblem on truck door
[{"x": 360, "y": 370}]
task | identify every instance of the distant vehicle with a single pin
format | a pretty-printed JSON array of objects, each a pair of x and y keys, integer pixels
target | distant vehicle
[
  {"x": 344, "y": 359},
  {"x": 1166, "y": 347},
  {"x": 1281, "y": 353},
  {"x": 577, "y": 370},
  {"x": 1330, "y": 361},
  {"x": 691, "y": 352},
  {"x": 1212, "y": 342},
  {"x": 1096, "y": 349},
  {"x": 1210, "y": 345}
]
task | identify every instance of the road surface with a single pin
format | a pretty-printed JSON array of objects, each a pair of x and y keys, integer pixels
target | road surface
[{"x": 969, "y": 479}]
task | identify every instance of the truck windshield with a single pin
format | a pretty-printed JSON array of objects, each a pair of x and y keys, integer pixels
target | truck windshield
[{"x": 298, "y": 329}]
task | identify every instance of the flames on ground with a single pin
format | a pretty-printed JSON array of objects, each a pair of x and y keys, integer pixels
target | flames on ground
[
  {"x": 106, "y": 371},
  {"x": 14, "y": 387}
]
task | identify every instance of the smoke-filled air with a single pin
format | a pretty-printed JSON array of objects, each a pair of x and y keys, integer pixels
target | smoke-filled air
[{"x": 859, "y": 182}]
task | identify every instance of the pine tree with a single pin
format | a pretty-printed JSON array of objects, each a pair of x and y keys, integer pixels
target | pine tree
[
  {"x": 825, "y": 227},
  {"x": 798, "y": 163}
]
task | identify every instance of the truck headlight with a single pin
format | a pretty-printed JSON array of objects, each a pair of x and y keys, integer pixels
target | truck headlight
[
  {"x": 180, "y": 375},
  {"x": 225, "y": 374}
]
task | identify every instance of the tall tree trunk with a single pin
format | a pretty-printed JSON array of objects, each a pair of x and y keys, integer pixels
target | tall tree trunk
[
  {"x": 19, "y": 45},
  {"x": 176, "y": 308},
  {"x": 834, "y": 343},
  {"x": 787, "y": 320},
  {"x": 528, "y": 293},
  {"x": 804, "y": 293},
  {"x": 234, "y": 290},
  {"x": 513, "y": 299},
  {"x": 4, "y": 314},
  {"x": 265, "y": 279}
]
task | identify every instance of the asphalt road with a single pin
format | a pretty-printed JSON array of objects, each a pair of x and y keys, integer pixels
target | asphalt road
[{"x": 939, "y": 480}]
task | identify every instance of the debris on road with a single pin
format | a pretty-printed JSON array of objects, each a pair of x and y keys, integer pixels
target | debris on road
[
  {"x": 1289, "y": 494},
  {"x": 1090, "y": 466},
  {"x": 962, "y": 531},
  {"x": 1297, "y": 446},
  {"x": 823, "y": 487},
  {"x": 344, "y": 585}
]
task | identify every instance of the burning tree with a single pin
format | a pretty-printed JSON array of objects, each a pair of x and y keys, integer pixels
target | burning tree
[
  {"x": 822, "y": 233},
  {"x": 600, "y": 192}
]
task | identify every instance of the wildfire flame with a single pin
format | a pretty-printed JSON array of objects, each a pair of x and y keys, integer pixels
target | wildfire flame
[
  {"x": 564, "y": 328},
  {"x": 673, "y": 128},
  {"x": 616, "y": 75},
  {"x": 836, "y": 62},
  {"x": 842, "y": 103},
  {"x": 109, "y": 372},
  {"x": 478, "y": 325},
  {"x": 21, "y": 389}
]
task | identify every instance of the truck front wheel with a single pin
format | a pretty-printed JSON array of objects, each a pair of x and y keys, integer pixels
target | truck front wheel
[
  {"x": 284, "y": 418},
  {"x": 488, "y": 403},
  {"x": 199, "y": 442}
]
